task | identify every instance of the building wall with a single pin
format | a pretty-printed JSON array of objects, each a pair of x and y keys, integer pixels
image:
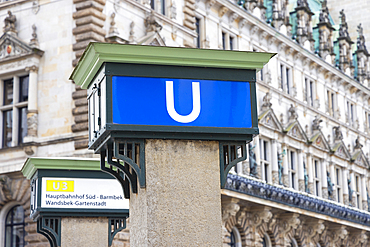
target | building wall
[{"x": 293, "y": 125}]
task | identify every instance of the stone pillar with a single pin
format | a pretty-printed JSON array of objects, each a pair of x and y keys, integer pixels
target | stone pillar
[
  {"x": 274, "y": 162},
  {"x": 345, "y": 186},
  {"x": 300, "y": 171},
  {"x": 353, "y": 187},
  {"x": 286, "y": 167},
  {"x": 84, "y": 231},
  {"x": 32, "y": 102},
  {"x": 364, "y": 193},
  {"x": 310, "y": 173},
  {"x": 181, "y": 204},
  {"x": 324, "y": 179},
  {"x": 333, "y": 180},
  {"x": 257, "y": 151}
]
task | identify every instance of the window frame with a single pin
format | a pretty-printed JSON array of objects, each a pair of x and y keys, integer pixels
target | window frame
[
  {"x": 351, "y": 112},
  {"x": 286, "y": 82},
  {"x": 265, "y": 159},
  {"x": 317, "y": 183},
  {"x": 16, "y": 107},
  {"x": 310, "y": 91},
  {"x": 159, "y": 6},
  {"x": 23, "y": 223},
  {"x": 357, "y": 191},
  {"x": 331, "y": 100},
  {"x": 339, "y": 184},
  {"x": 293, "y": 169},
  {"x": 226, "y": 38}
]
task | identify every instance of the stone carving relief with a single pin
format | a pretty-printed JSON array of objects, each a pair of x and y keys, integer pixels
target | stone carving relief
[{"x": 9, "y": 23}]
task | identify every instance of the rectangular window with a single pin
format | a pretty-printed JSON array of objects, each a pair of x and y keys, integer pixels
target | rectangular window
[
  {"x": 331, "y": 103},
  {"x": 358, "y": 192},
  {"x": 265, "y": 159},
  {"x": 293, "y": 178},
  {"x": 161, "y": 8},
  {"x": 351, "y": 117},
  {"x": 223, "y": 40},
  {"x": 317, "y": 173},
  {"x": 197, "y": 29},
  {"x": 231, "y": 43},
  {"x": 338, "y": 184},
  {"x": 286, "y": 81},
  {"x": 14, "y": 110},
  {"x": 310, "y": 91}
]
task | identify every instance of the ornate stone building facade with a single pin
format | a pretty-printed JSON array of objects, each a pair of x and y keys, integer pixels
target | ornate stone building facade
[{"x": 306, "y": 179}]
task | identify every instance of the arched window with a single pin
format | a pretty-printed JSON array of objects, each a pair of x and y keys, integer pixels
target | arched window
[
  {"x": 14, "y": 227},
  {"x": 235, "y": 239},
  {"x": 266, "y": 241}
]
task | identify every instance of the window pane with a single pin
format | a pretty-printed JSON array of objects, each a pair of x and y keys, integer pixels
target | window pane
[
  {"x": 22, "y": 127},
  {"x": 23, "y": 89},
  {"x": 197, "y": 29},
  {"x": 231, "y": 43},
  {"x": 287, "y": 80},
  {"x": 14, "y": 227},
  {"x": 8, "y": 92},
  {"x": 223, "y": 41},
  {"x": 7, "y": 123}
]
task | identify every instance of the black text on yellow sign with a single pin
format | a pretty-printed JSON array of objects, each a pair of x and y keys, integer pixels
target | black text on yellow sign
[{"x": 60, "y": 185}]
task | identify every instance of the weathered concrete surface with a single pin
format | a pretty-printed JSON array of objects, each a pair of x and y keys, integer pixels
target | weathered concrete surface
[
  {"x": 181, "y": 205},
  {"x": 84, "y": 232}
]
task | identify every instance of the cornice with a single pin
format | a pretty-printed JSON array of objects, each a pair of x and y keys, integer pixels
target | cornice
[{"x": 98, "y": 53}]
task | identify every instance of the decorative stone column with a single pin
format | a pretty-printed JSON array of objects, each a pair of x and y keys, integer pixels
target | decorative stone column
[
  {"x": 333, "y": 180},
  {"x": 345, "y": 187},
  {"x": 363, "y": 193},
  {"x": 300, "y": 171},
  {"x": 310, "y": 173},
  {"x": 324, "y": 179},
  {"x": 32, "y": 112},
  {"x": 274, "y": 162},
  {"x": 353, "y": 187},
  {"x": 286, "y": 167},
  {"x": 256, "y": 141}
]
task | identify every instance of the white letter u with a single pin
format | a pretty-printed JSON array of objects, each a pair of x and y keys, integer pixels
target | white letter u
[{"x": 171, "y": 105}]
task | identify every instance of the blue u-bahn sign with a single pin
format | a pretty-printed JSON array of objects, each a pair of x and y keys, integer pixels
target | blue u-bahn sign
[
  {"x": 148, "y": 101},
  {"x": 155, "y": 101},
  {"x": 142, "y": 92}
]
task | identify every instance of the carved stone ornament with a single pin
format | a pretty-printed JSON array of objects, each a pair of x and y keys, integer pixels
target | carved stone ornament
[
  {"x": 358, "y": 145},
  {"x": 266, "y": 102},
  {"x": 132, "y": 37},
  {"x": 34, "y": 41},
  {"x": 222, "y": 11},
  {"x": 324, "y": 13},
  {"x": 337, "y": 133},
  {"x": 10, "y": 22},
  {"x": 151, "y": 23},
  {"x": 343, "y": 28},
  {"x": 229, "y": 210},
  {"x": 112, "y": 28},
  {"x": 316, "y": 123},
  {"x": 293, "y": 115},
  {"x": 173, "y": 10},
  {"x": 5, "y": 188}
]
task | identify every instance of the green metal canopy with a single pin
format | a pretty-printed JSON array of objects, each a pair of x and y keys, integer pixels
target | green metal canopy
[{"x": 98, "y": 53}]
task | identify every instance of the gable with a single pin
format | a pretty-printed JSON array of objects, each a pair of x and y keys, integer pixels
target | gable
[
  {"x": 152, "y": 38},
  {"x": 269, "y": 120},
  {"x": 340, "y": 150},
  {"x": 13, "y": 47},
  {"x": 360, "y": 159},
  {"x": 295, "y": 130},
  {"x": 318, "y": 140}
]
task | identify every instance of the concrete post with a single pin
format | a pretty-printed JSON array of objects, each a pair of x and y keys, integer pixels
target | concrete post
[
  {"x": 84, "y": 231},
  {"x": 181, "y": 204}
]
